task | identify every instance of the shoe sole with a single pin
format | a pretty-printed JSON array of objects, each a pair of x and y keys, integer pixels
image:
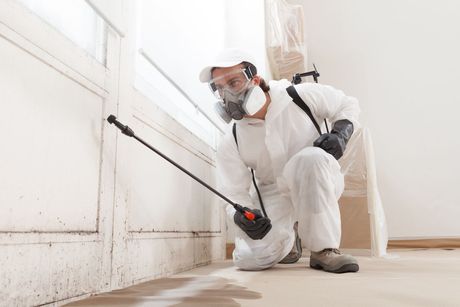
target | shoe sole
[{"x": 347, "y": 268}]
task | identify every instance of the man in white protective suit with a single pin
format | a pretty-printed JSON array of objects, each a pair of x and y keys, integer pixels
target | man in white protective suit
[{"x": 298, "y": 177}]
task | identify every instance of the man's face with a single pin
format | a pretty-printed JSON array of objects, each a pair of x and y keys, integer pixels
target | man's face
[{"x": 231, "y": 79}]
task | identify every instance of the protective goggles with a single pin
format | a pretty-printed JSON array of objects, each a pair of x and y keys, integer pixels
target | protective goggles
[{"x": 235, "y": 82}]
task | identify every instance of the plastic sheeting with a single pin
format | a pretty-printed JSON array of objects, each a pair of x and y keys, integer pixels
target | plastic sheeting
[
  {"x": 285, "y": 39},
  {"x": 358, "y": 165}
]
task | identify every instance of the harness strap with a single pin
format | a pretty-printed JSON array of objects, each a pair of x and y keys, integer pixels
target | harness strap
[{"x": 298, "y": 101}]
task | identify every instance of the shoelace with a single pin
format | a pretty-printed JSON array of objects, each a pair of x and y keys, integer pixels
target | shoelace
[{"x": 332, "y": 250}]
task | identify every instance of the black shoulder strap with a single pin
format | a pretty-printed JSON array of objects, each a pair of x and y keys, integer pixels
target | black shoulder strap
[
  {"x": 298, "y": 101},
  {"x": 234, "y": 134}
]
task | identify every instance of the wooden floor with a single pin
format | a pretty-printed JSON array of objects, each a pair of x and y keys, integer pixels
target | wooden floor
[{"x": 404, "y": 278}]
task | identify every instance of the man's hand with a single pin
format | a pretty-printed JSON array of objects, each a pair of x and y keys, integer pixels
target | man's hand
[
  {"x": 331, "y": 143},
  {"x": 336, "y": 141},
  {"x": 256, "y": 229}
]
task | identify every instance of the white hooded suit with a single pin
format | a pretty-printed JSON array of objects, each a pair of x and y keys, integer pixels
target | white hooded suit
[{"x": 298, "y": 182}]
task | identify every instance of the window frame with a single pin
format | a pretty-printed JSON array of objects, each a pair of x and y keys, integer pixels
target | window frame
[{"x": 54, "y": 48}]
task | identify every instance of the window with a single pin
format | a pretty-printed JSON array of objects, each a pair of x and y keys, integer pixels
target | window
[
  {"x": 180, "y": 37},
  {"x": 77, "y": 21}
]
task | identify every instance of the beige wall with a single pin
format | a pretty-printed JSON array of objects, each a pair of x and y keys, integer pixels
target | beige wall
[{"x": 400, "y": 59}]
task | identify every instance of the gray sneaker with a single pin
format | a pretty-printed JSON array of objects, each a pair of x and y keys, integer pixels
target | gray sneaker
[
  {"x": 296, "y": 251},
  {"x": 332, "y": 260}
]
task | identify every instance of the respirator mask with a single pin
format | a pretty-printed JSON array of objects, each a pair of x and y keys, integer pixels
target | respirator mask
[{"x": 237, "y": 95}]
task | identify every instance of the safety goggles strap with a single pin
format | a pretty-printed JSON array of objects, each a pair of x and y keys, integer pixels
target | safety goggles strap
[{"x": 248, "y": 72}]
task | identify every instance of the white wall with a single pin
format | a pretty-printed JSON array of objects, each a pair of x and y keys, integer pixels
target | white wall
[
  {"x": 245, "y": 28},
  {"x": 400, "y": 58},
  {"x": 56, "y": 184},
  {"x": 83, "y": 208},
  {"x": 164, "y": 221}
]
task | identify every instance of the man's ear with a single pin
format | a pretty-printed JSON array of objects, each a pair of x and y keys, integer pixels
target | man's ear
[{"x": 256, "y": 80}]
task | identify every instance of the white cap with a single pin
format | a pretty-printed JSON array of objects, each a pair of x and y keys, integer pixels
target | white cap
[{"x": 226, "y": 58}]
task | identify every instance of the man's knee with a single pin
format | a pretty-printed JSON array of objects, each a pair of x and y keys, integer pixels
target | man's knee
[
  {"x": 261, "y": 259},
  {"x": 308, "y": 160}
]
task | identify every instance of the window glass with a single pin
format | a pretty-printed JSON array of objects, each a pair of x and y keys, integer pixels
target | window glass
[
  {"x": 181, "y": 37},
  {"x": 77, "y": 21}
]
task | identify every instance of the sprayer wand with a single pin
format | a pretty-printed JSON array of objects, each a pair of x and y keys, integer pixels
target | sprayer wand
[{"x": 129, "y": 132}]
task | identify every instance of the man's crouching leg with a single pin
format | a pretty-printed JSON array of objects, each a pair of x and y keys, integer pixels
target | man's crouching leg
[
  {"x": 316, "y": 183},
  {"x": 255, "y": 255}
]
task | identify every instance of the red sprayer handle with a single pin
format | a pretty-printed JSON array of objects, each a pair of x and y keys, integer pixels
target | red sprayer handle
[{"x": 248, "y": 214}]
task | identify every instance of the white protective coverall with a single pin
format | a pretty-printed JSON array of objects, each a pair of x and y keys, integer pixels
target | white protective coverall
[{"x": 298, "y": 182}]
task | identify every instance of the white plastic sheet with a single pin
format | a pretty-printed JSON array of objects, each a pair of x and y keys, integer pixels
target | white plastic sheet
[
  {"x": 285, "y": 39},
  {"x": 358, "y": 165}
]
